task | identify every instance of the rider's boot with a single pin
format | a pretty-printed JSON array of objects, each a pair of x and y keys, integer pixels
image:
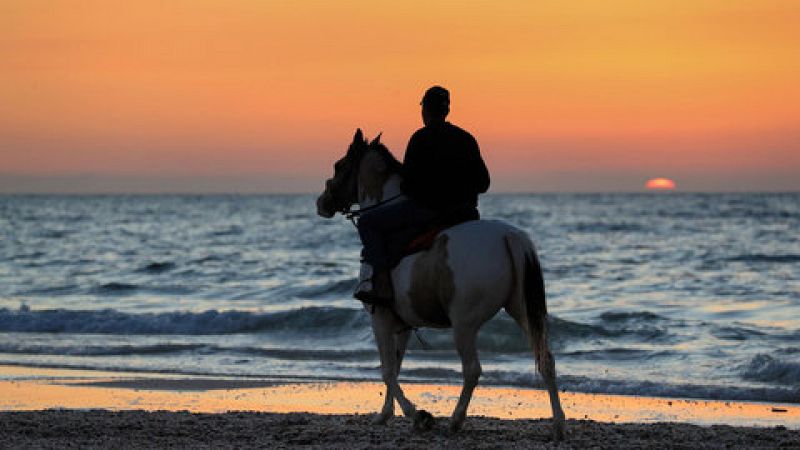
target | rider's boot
[{"x": 374, "y": 289}]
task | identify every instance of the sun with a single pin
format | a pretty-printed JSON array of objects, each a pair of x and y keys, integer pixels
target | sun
[{"x": 660, "y": 184}]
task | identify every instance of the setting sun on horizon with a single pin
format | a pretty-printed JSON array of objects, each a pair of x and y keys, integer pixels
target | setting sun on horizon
[
  {"x": 660, "y": 184},
  {"x": 250, "y": 96}
]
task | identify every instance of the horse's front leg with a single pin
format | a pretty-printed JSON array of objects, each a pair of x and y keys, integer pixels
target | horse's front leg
[
  {"x": 384, "y": 325},
  {"x": 387, "y": 412}
]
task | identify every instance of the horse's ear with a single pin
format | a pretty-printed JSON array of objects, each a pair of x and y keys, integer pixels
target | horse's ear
[
  {"x": 359, "y": 136},
  {"x": 377, "y": 139}
]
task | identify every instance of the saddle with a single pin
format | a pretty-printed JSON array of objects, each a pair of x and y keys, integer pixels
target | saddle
[{"x": 423, "y": 239}]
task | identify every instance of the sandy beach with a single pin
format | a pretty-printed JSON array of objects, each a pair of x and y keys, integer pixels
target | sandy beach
[
  {"x": 91, "y": 409},
  {"x": 159, "y": 429}
]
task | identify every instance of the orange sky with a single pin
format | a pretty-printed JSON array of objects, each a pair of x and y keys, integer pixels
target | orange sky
[{"x": 252, "y": 95}]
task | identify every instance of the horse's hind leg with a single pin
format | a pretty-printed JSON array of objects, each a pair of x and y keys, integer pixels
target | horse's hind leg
[
  {"x": 387, "y": 412},
  {"x": 546, "y": 366},
  {"x": 471, "y": 371}
]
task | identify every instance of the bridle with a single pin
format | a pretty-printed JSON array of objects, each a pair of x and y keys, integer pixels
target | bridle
[{"x": 353, "y": 214}]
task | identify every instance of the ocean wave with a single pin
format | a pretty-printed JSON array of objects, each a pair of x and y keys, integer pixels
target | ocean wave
[
  {"x": 120, "y": 366},
  {"x": 233, "y": 230},
  {"x": 611, "y": 386},
  {"x": 337, "y": 287},
  {"x": 115, "y": 288},
  {"x": 294, "y": 354},
  {"x": 569, "y": 269},
  {"x": 157, "y": 267},
  {"x": 24, "y": 256},
  {"x": 499, "y": 335},
  {"x": 64, "y": 289},
  {"x": 299, "y": 354},
  {"x": 678, "y": 390},
  {"x": 110, "y": 321},
  {"x": 439, "y": 374},
  {"x": 625, "y": 316},
  {"x": 604, "y": 227},
  {"x": 98, "y": 350},
  {"x": 763, "y": 258},
  {"x": 624, "y": 326},
  {"x": 739, "y": 333},
  {"x": 761, "y": 214},
  {"x": 55, "y": 234},
  {"x": 208, "y": 259},
  {"x": 617, "y": 354},
  {"x": 502, "y": 335},
  {"x": 766, "y": 369}
]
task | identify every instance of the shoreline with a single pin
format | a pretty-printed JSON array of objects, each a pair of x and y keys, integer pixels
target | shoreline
[
  {"x": 26, "y": 388},
  {"x": 49, "y": 408}
]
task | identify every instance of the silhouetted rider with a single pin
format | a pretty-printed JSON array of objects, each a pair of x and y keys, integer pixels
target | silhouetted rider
[
  {"x": 443, "y": 173},
  {"x": 443, "y": 167}
]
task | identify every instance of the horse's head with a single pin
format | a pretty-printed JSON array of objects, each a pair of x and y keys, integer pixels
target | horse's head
[
  {"x": 360, "y": 175},
  {"x": 341, "y": 189}
]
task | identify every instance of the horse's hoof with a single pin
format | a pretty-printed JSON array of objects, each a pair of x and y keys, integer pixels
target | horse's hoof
[
  {"x": 381, "y": 418},
  {"x": 455, "y": 427},
  {"x": 558, "y": 432},
  {"x": 423, "y": 420}
]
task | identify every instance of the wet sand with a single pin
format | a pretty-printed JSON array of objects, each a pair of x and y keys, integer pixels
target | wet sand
[{"x": 54, "y": 407}]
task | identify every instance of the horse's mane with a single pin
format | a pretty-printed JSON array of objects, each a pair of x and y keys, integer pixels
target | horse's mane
[{"x": 395, "y": 166}]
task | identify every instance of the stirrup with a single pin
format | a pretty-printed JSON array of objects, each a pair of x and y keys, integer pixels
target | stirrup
[
  {"x": 365, "y": 290},
  {"x": 371, "y": 298},
  {"x": 364, "y": 280}
]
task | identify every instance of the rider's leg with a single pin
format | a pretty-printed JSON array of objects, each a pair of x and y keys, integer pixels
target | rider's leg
[{"x": 374, "y": 227}]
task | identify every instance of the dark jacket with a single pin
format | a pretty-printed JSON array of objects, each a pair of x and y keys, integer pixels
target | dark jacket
[{"x": 443, "y": 168}]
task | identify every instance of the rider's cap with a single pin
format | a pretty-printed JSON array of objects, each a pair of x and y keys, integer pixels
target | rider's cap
[{"x": 436, "y": 95}]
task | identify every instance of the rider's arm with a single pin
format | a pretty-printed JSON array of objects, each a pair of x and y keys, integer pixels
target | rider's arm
[
  {"x": 479, "y": 174},
  {"x": 413, "y": 167}
]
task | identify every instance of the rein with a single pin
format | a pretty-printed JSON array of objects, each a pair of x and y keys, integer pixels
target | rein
[{"x": 353, "y": 214}]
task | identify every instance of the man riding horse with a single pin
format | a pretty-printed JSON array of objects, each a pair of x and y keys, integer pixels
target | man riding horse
[
  {"x": 460, "y": 279},
  {"x": 443, "y": 173}
]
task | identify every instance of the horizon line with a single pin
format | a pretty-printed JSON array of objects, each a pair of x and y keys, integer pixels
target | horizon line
[{"x": 503, "y": 192}]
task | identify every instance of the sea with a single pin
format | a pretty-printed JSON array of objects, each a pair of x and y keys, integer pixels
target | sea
[{"x": 685, "y": 295}]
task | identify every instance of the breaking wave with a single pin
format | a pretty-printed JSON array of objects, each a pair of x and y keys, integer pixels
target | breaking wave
[
  {"x": 499, "y": 335},
  {"x": 610, "y": 386},
  {"x": 767, "y": 369},
  {"x": 110, "y": 321}
]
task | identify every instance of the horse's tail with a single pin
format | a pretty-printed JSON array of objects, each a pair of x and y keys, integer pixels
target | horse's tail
[
  {"x": 530, "y": 292},
  {"x": 530, "y": 297}
]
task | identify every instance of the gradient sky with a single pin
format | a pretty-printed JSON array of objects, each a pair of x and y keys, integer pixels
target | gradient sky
[{"x": 252, "y": 95}]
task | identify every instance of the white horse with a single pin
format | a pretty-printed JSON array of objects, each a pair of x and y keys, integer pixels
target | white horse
[{"x": 472, "y": 271}]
